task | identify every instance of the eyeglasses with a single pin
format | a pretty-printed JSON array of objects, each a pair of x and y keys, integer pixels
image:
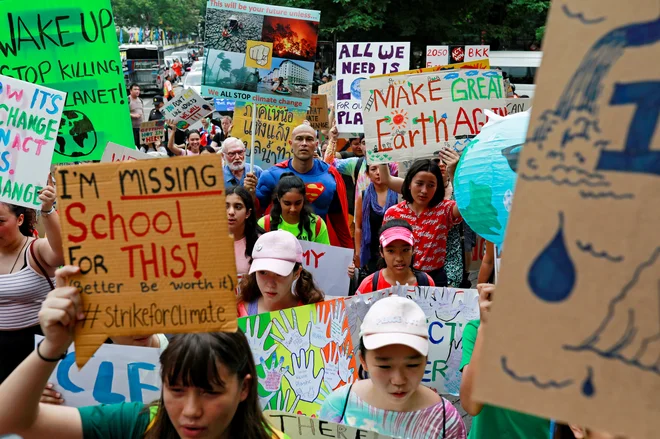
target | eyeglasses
[{"x": 236, "y": 153}]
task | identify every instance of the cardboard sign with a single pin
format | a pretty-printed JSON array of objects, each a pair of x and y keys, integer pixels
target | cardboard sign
[
  {"x": 45, "y": 43},
  {"x": 518, "y": 105},
  {"x": 273, "y": 130},
  {"x": 149, "y": 262},
  {"x": 152, "y": 131},
  {"x": 480, "y": 64},
  {"x": 260, "y": 53},
  {"x": 317, "y": 115},
  {"x": 329, "y": 89},
  {"x": 113, "y": 375},
  {"x": 118, "y": 153},
  {"x": 303, "y": 427},
  {"x": 414, "y": 116},
  {"x": 328, "y": 265},
  {"x": 579, "y": 276},
  {"x": 30, "y": 117},
  {"x": 443, "y": 55},
  {"x": 186, "y": 108},
  {"x": 355, "y": 63}
]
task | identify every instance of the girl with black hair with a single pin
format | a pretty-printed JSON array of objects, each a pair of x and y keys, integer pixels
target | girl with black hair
[
  {"x": 291, "y": 211},
  {"x": 396, "y": 250},
  {"x": 209, "y": 386},
  {"x": 427, "y": 210},
  {"x": 242, "y": 225},
  {"x": 193, "y": 141}
]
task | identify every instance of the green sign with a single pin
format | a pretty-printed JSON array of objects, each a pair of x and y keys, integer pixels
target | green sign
[{"x": 71, "y": 46}]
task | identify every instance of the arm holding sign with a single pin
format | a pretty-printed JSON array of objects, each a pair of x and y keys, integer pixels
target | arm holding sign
[
  {"x": 451, "y": 158},
  {"x": 171, "y": 124},
  {"x": 20, "y": 411},
  {"x": 49, "y": 250},
  {"x": 392, "y": 183}
]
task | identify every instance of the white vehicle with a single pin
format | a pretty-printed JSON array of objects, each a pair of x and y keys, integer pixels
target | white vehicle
[
  {"x": 520, "y": 66},
  {"x": 197, "y": 66},
  {"x": 193, "y": 80}
]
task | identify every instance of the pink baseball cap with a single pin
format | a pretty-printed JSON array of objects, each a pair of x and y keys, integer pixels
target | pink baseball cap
[
  {"x": 397, "y": 233},
  {"x": 276, "y": 251}
]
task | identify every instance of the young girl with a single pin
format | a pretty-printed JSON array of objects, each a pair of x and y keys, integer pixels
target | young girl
[
  {"x": 277, "y": 279},
  {"x": 209, "y": 386},
  {"x": 396, "y": 249},
  {"x": 192, "y": 141},
  {"x": 425, "y": 208},
  {"x": 242, "y": 225},
  {"x": 370, "y": 209},
  {"x": 292, "y": 212},
  {"x": 394, "y": 347}
]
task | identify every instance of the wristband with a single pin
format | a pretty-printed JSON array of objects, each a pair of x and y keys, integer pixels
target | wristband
[
  {"x": 49, "y": 360},
  {"x": 52, "y": 209}
]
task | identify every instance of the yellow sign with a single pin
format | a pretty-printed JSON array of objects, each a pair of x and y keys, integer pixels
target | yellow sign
[{"x": 258, "y": 55}]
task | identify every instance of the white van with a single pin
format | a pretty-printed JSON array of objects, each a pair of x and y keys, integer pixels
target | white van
[{"x": 520, "y": 66}]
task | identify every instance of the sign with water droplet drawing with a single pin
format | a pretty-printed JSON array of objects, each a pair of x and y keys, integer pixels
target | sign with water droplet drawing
[
  {"x": 575, "y": 327},
  {"x": 413, "y": 116}
]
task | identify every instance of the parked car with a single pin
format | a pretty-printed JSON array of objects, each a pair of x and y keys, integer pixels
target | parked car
[
  {"x": 520, "y": 66},
  {"x": 185, "y": 58},
  {"x": 197, "y": 66},
  {"x": 193, "y": 80}
]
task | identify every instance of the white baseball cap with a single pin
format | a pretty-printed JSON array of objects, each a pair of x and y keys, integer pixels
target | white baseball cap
[
  {"x": 276, "y": 251},
  {"x": 395, "y": 320}
]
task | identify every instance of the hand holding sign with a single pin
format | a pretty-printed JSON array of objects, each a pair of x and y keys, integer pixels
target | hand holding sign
[{"x": 47, "y": 195}]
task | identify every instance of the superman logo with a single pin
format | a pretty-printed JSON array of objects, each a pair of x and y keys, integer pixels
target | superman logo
[{"x": 314, "y": 190}]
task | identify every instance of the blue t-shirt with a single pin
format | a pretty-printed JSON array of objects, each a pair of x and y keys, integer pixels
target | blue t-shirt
[{"x": 231, "y": 180}]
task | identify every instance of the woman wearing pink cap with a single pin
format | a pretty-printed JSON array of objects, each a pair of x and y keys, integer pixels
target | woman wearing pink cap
[
  {"x": 277, "y": 279},
  {"x": 397, "y": 247},
  {"x": 394, "y": 348}
]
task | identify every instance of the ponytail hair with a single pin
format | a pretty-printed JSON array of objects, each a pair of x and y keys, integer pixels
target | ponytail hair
[{"x": 29, "y": 218}]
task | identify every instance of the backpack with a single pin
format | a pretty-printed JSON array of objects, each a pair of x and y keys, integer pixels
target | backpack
[
  {"x": 316, "y": 232},
  {"x": 420, "y": 276}
]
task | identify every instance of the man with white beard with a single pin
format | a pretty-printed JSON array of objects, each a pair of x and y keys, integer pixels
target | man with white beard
[{"x": 237, "y": 172}]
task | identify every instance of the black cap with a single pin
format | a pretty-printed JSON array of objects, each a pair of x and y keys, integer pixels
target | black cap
[{"x": 158, "y": 100}]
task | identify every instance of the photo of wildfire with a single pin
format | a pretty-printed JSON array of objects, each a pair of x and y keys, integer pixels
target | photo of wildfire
[{"x": 292, "y": 39}]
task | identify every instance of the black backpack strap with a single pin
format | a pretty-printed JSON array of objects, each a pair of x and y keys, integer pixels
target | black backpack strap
[
  {"x": 348, "y": 395},
  {"x": 374, "y": 281},
  {"x": 444, "y": 417},
  {"x": 356, "y": 172},
  {"x": 422, "y": 278}
]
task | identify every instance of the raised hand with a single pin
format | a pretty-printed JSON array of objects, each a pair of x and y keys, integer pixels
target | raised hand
[
  {"x": 257, "y": 343},
  {"x": 331, "y": 377},
  {"x": 291, "y": 338},
  {"x": 302, "y": 380},
  {"x": 283, "y": 405},
  {"x": 345, "y": 357},
  {"x": 337, "y": 332},
  {"x": 274, "y": 373},
  {"x": 319, "y": 336}
]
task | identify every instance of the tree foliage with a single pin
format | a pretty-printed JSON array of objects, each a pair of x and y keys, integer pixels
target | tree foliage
[{"x": 173, "y": 15}]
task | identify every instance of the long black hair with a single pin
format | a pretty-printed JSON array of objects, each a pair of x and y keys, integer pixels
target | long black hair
[
  {"x": 291, "y": 182},
  {"x": 192, "y": 360},
  {"x": 29, "y": 219},
  {"x": 424, "y": 165},
  {"x": 252, "y": 229},
  {"x": 388, "y": 225},
  {"x": 305, "y": 288}
]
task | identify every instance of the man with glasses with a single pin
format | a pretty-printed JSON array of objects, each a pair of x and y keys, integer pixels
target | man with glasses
[
  {"x": 237, "y": 172},
  {"x": 324, "y": 185}
]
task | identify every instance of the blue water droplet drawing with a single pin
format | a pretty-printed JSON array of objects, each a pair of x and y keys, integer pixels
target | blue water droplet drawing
[
  {"x": 588, "y": 385},
  {"x": 552, "y": 275}
]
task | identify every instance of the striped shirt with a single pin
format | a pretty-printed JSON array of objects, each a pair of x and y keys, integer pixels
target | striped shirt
[
  {"x": 441, "y": 420},
  {"x": 21, "y": 294}
]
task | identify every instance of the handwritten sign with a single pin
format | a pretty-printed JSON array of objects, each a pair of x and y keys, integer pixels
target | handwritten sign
[
  {"x": 329, "y": 89},
  {"x": 273, "y": 130},
  {"x": 317, "y": 115},
  {"x": 260, "y": 53},
  {"x": 581, "y": 285},
  {"x": 149, "y": 263},
  {"x": 114, "y": 374},
  {"x": 480, "y": 64},
  {"x": 413, "y": 116},
  {"x": 186, "y": 108},
  {"x": 355, "y": 63},
  {"x": 443, "y": 55},
  {"x": 30, "y": 117},
  {"x": 43, "y": 45},
  {"x": 518, "y": 105},
  {"x": 118, "y": 153},
  {"x": 303, "y": 427},
  {"x": 152, "y": 131},
  {"x": 328, "y": 264}
]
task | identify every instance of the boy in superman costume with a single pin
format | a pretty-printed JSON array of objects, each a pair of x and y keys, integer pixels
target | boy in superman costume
[{"x": 324, "y": 185}]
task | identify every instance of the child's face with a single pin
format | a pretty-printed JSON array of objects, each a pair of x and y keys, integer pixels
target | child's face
[{"x": 398, "y": 256}]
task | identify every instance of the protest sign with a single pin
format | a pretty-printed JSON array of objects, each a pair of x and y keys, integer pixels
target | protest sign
[
  {"x": 443, "y": 55},
  {"x": 222, "y": 104},
  {"x": 44, "y": 44},
  {"x": 329, "y": 89},
  {"x": 27, "y": 139},
  {"x": 186, "y": 108},
  {"x": 481, "y": 64},
  {"x": 302, "y": 354},
  {"x": 113, "y": 375},
  {"x": 118, "y": 153},
  {"x": 414, "y": 116},
  {"x": 317, "y": 115},
  {"x": 260, "y": 53},
  {"x": 355, "y": 63},
  {"x": 272, "y": 131},
  {"x": 303, "y": 427},
  {"x": 149, "y": 261},
  {"x": 328, "y": 264},
  {"x": 575, "y": 320},
  {"x": 517, "y": 105},
  {"x": 152, "y": 131},
  {"x": 447, "y": 309}
]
